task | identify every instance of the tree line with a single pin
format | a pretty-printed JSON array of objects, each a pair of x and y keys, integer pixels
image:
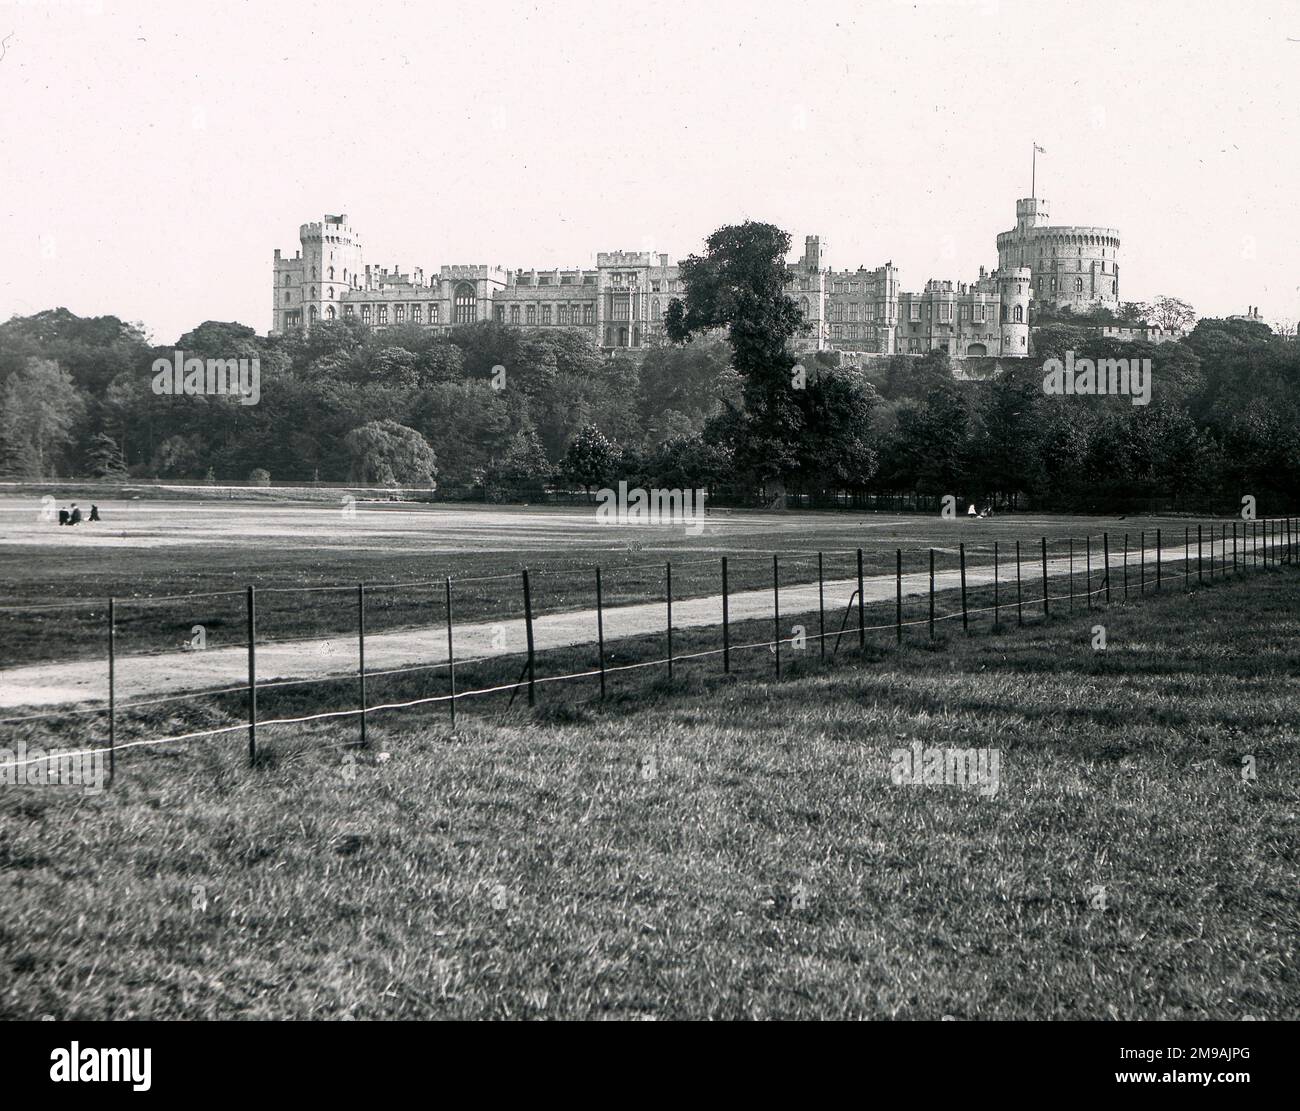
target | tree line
[{"x": 491, "y": 411}]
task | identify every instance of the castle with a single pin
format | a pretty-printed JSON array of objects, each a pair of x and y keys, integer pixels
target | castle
[{"x": 622, "y": 301}]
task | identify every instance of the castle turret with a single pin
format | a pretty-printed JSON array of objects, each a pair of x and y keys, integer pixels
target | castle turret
[
  {"x": 310, "y": 286},
  {"x": 1013, "y": 315}
]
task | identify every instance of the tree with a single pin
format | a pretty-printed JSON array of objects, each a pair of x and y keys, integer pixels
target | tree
[
  {"x": 389, "y": 453},
  {"x": 105, "y": 457},
  {"x": 523, "y": 465},
  {"x": 590, "y": 459},
  {"x": 1171, "y": 314},
  {"x": 39, "y": 406},
  {"x": 740, "y": 285}
]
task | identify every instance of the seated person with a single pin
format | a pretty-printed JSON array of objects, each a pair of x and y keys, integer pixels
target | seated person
[
  {"x": 63, "y": 516},
  {"x": 75, "y": 517}
]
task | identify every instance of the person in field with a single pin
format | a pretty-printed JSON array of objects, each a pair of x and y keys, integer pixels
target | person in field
[
  {"x": 970, "y": 512},
  {"x": 94, "y": 513},
  {"x": 74, "y": 518}
]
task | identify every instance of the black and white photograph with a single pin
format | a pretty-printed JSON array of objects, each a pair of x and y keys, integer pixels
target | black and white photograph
[{"x": 768, "y": 515}]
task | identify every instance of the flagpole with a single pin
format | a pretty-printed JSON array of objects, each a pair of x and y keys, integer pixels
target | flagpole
[{"x": 1033, "y": 174}]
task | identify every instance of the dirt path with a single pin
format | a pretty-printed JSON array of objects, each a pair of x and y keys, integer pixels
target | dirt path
[{"x": 61, "y": 684}]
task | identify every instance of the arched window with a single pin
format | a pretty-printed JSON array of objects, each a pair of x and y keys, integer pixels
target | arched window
[
  {"x": 311, "y": 313},
  {"x": 1020, "y": 314},
  {"x": 331, "y": 293},
  {"x": 1078, "y": 285},
  {"x": 654, "y": 307},
  {"x": 636, "y": 336},
  {"x": 286, "y": 296},
  {"x": 329, "y": 312},
  {"x": 803, "y": 305},
  {"x": 331, "y": 273},
  {"x": 1114, "y": 287},
  {"x": 466, "y": 307},
  {"x": 313, "y": 293}
]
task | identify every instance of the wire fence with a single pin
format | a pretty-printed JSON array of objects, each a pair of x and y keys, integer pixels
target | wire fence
[{"x": 734, "y": 605}]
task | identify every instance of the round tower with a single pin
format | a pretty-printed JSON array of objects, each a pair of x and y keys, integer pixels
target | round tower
[
  {"x": 1073, "y": 266},
  {"x": 1013, "y": 314}
]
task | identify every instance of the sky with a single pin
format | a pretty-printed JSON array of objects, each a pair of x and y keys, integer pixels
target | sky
[{"x": 154, "y": 155}]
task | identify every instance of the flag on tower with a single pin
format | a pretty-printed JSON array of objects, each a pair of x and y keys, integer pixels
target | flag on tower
[{"x": 1040, "y": 150}]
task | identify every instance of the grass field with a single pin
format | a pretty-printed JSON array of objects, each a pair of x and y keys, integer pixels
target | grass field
[
  {"x": 162, "y": 549},
  {"x": 715, "y": 847}
]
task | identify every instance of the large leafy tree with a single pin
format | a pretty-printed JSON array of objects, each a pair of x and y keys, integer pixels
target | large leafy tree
[
  {"x": 39, "y": 406},
  {"x": 739, "y": 286},
  {"x": 386, "y": 452}
]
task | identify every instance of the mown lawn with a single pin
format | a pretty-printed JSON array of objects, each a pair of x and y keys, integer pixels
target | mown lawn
[{"x": 718, "y": 848}]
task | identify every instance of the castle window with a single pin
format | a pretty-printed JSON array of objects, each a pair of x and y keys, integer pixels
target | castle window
[
  {"x": 563, "y": 314},
  {"x": 589, "y": 314},
  {"x": 609, "y": 337},
  {"x": 853, "y": 312},
  {"x": 331, "y": 273},
  {"x": 514, "y": 314},
  {"x": 654, "y": 308},
  {"x": 636, "y": 337},
  {"x": 803, "y": 305},
  {"x": 399, "y": 314},
  {"x": 286, "y": 296},
  {"x": 311, "y": 314},
  {"x": 435, "y": 314},
  {"x": 331, "y": 293},
  {"x": 466, "y": 309},
  {"x": 499, "y": 311},
  {"x": 1005, "y": 315},
  {"x": 945, "y": 312},
  {"x": 546, "y": 314},
  {"x": 365, "y": 314},
  {"x": 1078, "y": 285},
  {"x": 654, "y": 287},
  {"x": 1114, "y": 287},
  {"x": 532, "y": 314},
  {"x": 329, "y": 312},
  {"x": 1020, "y": 314},
  {"x": 416, "y": 314},
  {"x": 804, "y": 284},
  {"x": 979, "y": 313},
  {"x": 383, "y": 314},
  {"x": 313, "y": 293},
  {"x": 913, "y": 310}
]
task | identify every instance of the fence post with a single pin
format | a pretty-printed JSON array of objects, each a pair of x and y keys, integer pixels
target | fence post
[
  {"x": 1087, "y": 581},
  {"x": 1071, "y": 574},
  {"x": 776, "y": 612},
  {"x": 862, "y": 620},
  {"x": 1159, "y": 546},
  {"x": 451, "y": 654},
  {"x": 1200, "y": 559},
  {"x": 932, "y": 594},
  {"x": 668, "y": 568},
  {"x": 1234, "y": 547},
  {"x": 1187, "y": 558},
  {"x": 528, "y": 628},
  {"x": 361, "y": 654},
  {"x": 252, "y": 675},
  {"x": 600, "y": 632},
  {"x": 898, "y": 595},
  {"x": 726, "y": 627},
  {"x": 1020, "y": 614},
  {"x": 964, "y": 620},
  {"x": 112, "y": 690},
  {"x": 1105, "y": 555},
  {"x": 821, "y": 607},
  {"x": 997, "y": 614},
  {"x": 1046, "y": 610},
  {"x": 1142, "y": 562}
]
